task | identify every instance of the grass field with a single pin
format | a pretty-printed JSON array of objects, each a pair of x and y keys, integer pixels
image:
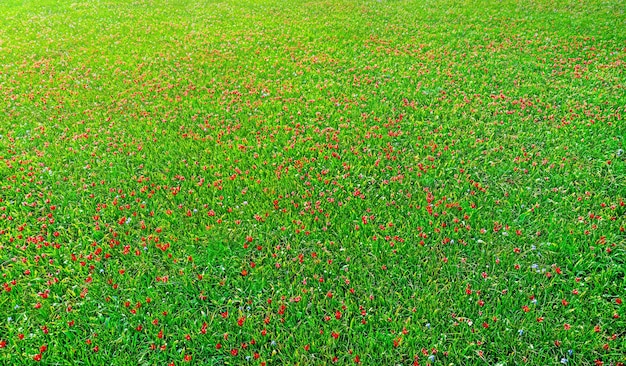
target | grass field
[{"x": 312, "y": 182}]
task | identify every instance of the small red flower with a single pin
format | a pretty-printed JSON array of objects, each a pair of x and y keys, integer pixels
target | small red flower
[
  {"x": 234, "y": 351},
  {"x": 37, "y": 357}
]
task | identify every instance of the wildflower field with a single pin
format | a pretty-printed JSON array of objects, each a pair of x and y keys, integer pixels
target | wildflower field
[{"x": 272, "y": 182}]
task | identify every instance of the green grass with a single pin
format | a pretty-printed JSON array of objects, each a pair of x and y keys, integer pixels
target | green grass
[{"x": 289, "y": 182}]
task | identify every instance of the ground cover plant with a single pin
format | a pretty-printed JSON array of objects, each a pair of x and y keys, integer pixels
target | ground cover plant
[{"x": 312, "y": 182}]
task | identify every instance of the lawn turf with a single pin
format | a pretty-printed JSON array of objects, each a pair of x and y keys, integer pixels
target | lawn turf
[{"x": 312, "y": 182}]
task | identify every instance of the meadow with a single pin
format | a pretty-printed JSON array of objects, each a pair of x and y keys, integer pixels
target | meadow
[{"x": 272, "y": 182}]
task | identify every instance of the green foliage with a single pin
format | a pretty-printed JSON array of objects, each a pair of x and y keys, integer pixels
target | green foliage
[{"x": 289, "y": 182}]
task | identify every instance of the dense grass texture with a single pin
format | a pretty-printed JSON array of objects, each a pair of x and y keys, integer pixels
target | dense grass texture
[{"x": 314, "y": 182}]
